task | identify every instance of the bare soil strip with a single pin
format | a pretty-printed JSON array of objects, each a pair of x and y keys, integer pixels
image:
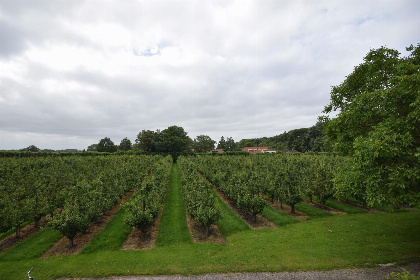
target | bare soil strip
[
  {"x": 136, "y": 240},
  {"x": 198, "y": 233},
  {"x": 61, "y": 248},
  {"x": 25, "y": 232}
]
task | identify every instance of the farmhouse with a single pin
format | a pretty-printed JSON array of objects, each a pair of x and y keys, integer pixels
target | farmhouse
[{"x": 255, "y": 150}]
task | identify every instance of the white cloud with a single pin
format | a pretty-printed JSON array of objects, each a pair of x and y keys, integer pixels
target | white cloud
[{"x": 75, "y": 72}]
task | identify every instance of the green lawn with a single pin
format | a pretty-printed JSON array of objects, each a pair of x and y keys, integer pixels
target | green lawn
[{"x": 330, "y": 242}]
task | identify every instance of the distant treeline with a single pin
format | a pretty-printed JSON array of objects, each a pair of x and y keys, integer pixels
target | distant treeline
[{"x": 302, "y": 140}]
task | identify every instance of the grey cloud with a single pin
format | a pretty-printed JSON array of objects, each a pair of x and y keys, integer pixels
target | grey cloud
[
  {"x": 238, "y": 68},
  {"x": 11, "y": 42}
]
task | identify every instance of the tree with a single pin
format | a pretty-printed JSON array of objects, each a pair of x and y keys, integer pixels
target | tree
[
  {"x": 222, "y": 144},
  {"x": 203, "y": 143},
  {"x": 125, "y": 144},
  {"x": 69, "y": 222},
  {"x": 106, "y": 145},
  {"x": 147, "y": 141},
  {"x": 31, "y": 148},
  {"x": 231, "y": 145},
  {"x": 174, "y": 140},
  {"x": 379, "y": 126},
  {"x": 92, "y": 148}
]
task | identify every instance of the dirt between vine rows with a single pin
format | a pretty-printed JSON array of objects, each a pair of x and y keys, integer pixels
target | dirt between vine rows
[
  {"x": 137, "y": 240},
  {"x": 198, "y": 233}
]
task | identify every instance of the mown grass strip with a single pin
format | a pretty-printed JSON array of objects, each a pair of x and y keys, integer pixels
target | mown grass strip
[
  {"x": 277, "y": 217},
  {"x": 229, "y": 222},
  {"x": 33, "y": 246},
  {"x": 312, "y": 211},
  {"x": 381, "y": 207},
  {"x": 349, "y": 209},
  {"x": 111, "y": 237},
  {"x": 173, "y": 227}
]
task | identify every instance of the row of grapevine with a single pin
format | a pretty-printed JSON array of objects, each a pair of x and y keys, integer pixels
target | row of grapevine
[
  {"x": 71, "y": 189},
  {"x": 287, "y": 178},
  {"x": 236, "y": 178},
  {"x": 198, "y": 195},
  {"x": 145, "y": 204}
]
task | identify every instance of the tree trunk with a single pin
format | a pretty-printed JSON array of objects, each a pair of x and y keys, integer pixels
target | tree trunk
[
  {"x": 37, "y": 217},
  {"x": 207, "y": 228},
  {"x": 281, "y": 204},
  {"x": 71, "y": 244},
  {"x": 37, "y": 220},
  {"x": 17, "y": 231},
  {"x": 292, "y": 209},
  {"x": 310, "y": 198}
]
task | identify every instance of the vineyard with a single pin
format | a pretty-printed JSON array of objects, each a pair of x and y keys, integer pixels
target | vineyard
[{"x": 262, "y": 208}]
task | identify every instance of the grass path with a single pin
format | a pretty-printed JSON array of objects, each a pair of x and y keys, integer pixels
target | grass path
[
  {"x": 229, "y": 223},
  {"x": 173, "y": 227},
  {"x": 111, "y": 237},
  {"x": 277, "y": 217},
  {"x": 32, "y": 247}
]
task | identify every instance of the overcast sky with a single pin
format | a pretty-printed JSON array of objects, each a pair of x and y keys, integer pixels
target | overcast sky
[{"x": 73, "y": 72}]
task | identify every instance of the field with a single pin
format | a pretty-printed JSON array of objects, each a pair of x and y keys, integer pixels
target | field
[{"x": 312, "y": 239}]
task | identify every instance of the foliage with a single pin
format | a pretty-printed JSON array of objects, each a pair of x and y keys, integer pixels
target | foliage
[
  {"x": 146, "y": 202},
  {"x": 199, "y": 196},
  {"x": 73, "y": 190},
  {"x": 174, "y": 140},
  {"x": 125, "y": 145},
  {"x": 70, "y": 221},
  {"x": 227, "y": 145},
  {"x": 106, "y": 145},
  {"x": 404, "y": 275},
  {"x": 222, "y": 144},
  {"x": 31, "y": 148},
  {"x": 147, "y": 141},
  {"x": 379, "y": 126},
  {"x": 92, "y": 148},
  {"x": 203, "y": 143},
  {"x": 301, "y": 140}
]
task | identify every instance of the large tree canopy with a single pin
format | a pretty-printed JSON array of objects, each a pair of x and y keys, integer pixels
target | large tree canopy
[
  {"x": 203, "y": 143},
  {"x": 147, "y": 140},
  {"x": 125, "y": 144},
  {"x": 106, "y": 145},
  {"x": 378, "y": 124},
  {"x": 174, "y": 139}
]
